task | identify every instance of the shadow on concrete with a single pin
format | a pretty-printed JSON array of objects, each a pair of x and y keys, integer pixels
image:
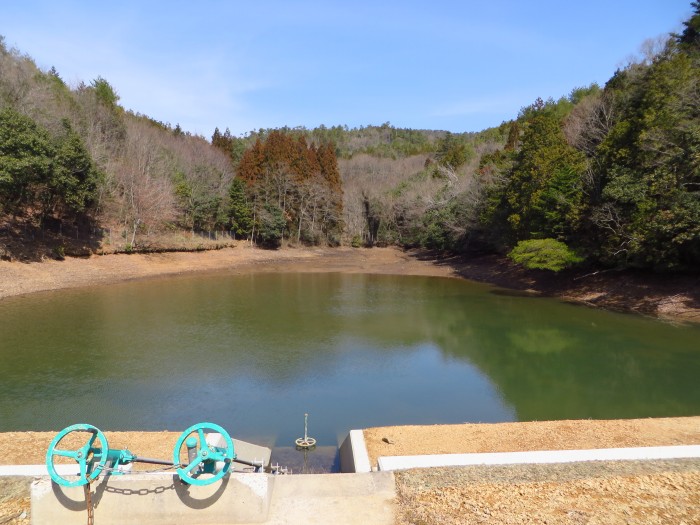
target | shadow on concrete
[{"x": 184, "y": 492}]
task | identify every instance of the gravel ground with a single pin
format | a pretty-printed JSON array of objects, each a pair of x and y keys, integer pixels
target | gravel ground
[
  {"x": 14, "y": 501},
  {"x": 630, "y": 492},
  {"x": 531, "y": 435},
  {"x": 621, "y": 492}
]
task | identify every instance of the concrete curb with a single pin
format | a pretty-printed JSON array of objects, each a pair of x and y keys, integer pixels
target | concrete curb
[
  {"x": 37, "y": 470},
  {"x": 353, "y": 453},
  {"x": 541, "y": 456}
]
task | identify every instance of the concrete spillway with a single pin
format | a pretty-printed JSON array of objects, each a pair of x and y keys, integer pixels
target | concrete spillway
[{"x": 361, "y": 496}]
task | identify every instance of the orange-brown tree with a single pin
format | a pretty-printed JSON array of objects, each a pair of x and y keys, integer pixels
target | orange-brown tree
[{"x": 300, "y": 180}]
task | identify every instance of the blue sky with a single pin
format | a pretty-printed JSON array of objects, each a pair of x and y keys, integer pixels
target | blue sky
[{"x": 452, "y": 65}]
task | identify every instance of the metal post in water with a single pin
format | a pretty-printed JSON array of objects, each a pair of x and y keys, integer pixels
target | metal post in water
[{"x": 306, "y": 442}]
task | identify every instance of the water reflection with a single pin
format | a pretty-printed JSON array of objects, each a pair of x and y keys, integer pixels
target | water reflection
[
  {"x": 554, "y": 361},
  {"x": 255, "y": 352}
]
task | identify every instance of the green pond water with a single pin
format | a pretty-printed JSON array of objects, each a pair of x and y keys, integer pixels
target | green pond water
[{"x": 253, "y": 353}]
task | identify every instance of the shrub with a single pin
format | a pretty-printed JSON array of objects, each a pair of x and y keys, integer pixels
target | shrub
[{"x": 544, "y": 254}]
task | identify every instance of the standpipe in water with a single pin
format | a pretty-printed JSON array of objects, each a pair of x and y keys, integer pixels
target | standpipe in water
[{"x": 306, "y": 442}]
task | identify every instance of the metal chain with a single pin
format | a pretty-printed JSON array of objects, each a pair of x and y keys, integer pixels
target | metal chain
[
  {"x": 110, "y": 470},
  {"x": 88, "y": 504},
  {"x": 88, "y": 488}
]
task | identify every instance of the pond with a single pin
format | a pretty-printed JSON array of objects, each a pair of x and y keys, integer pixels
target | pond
[{"x": 255, "y": 352}]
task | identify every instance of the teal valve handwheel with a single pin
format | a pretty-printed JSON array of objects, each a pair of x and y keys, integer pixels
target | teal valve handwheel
[
  {"x": 203, "y": 458},
  {"x": 90, "y": 458}
]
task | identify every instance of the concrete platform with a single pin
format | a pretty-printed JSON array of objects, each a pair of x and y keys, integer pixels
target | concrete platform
[
  {"x": 333, "y": 499},
  {"x": 337, "y": 499},
  {"x": 154, "y": 499}
]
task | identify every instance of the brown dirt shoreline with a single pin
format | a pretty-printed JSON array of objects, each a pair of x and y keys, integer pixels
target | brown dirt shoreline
[
  {"x": 670, "y": 297},
  {"x": 23, "y": 278}
]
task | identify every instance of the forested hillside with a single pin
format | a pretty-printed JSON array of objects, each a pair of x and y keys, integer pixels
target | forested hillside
[
  {"x": 610, "y": 175},
  {"x": 614, "y": 172},
  {"x": 606, "y": 176},
  {"x": 80, "y": 173}
]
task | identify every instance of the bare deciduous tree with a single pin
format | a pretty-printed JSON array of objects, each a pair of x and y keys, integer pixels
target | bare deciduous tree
[{"x": 144, "y": 198}]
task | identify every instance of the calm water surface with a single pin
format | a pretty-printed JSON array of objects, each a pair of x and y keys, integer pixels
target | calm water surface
[{"x": 254, "y": 352}]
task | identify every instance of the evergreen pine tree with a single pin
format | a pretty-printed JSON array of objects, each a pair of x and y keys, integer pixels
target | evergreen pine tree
[{"x": 240, "y": 211}]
